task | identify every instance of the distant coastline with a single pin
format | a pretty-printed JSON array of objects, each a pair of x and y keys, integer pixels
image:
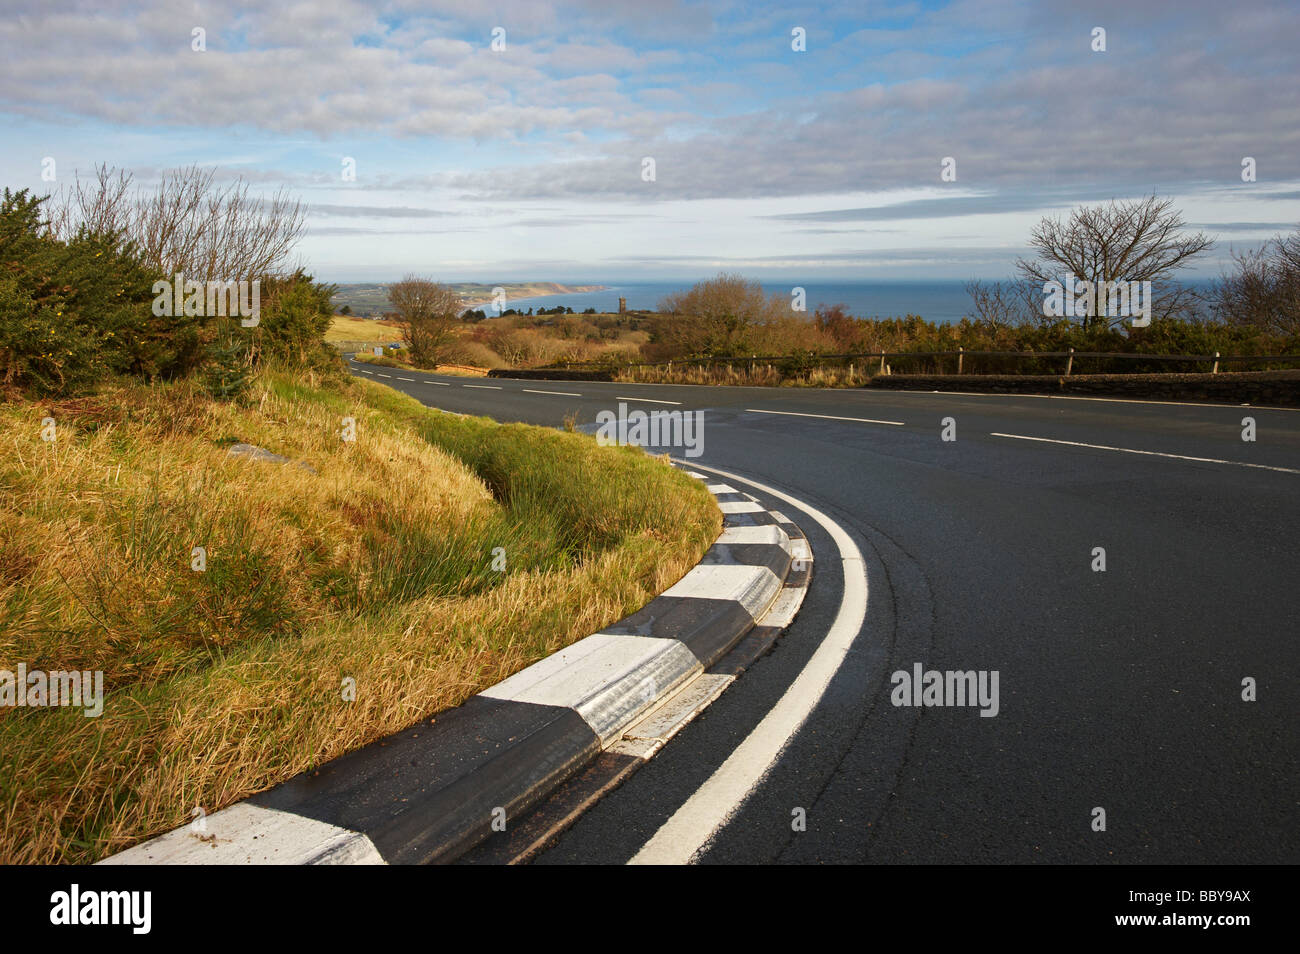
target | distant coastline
[
  {"x": 371, "y": 298},
  {"x": 518, "y": 290},
  {"x": 943, "y": 301}
]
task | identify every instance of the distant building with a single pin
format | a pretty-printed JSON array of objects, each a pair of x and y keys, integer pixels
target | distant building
[{"x": 622, "y": 305}]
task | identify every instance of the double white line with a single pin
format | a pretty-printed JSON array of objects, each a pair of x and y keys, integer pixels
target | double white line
[{"x": 714, "y": 802}]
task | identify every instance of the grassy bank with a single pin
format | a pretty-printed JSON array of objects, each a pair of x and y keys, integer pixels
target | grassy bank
[
  {"x": 401, "y": 361},
  {"x": 370, "y": 560}
]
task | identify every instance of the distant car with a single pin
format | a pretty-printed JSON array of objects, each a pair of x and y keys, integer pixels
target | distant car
[{"x": 396, "y": 344}]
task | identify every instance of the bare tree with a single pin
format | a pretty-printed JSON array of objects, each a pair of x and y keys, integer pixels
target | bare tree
[
  {"x": 516, "y": 346},
  {"x": 428, "y": 313},
  {"x": 1264, "y": 291},
  {"x": 716, "y": 316},
  {"x": 188, "y": 223},
  {"x": 1129, "y": 241},
  {"x": 102, "y": 204},
  {"x": 1006, "y": 304}
]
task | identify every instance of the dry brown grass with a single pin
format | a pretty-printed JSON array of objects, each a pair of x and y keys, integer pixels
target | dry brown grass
[
  {"x": 374, "y": 564},
  {"x": 738, "y": 375},
  {"x": 402, "y": 359},
  {"x": 741, "y": 374}
]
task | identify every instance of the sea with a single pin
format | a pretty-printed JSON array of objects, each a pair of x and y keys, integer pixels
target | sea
[{"x": 939, "y": 301}]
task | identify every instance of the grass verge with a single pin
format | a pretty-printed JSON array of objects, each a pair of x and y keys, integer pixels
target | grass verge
[
  {"x": 401, "y": 360},
  {"x": 742, "y": 374},
  {"x": 370, "y": 560}
]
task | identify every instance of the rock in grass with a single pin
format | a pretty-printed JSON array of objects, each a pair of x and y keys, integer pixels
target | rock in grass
[{"x": 261, "y": 453}]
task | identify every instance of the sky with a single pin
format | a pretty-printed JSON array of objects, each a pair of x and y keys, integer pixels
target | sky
[{"x": 608, "y": 140}]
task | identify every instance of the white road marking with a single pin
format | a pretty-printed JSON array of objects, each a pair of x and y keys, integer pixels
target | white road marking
[
  {"x": 561, "y": 393},
  {"x": 364, "y": 371},
  {"x": 1146, "y": 453},
  {"x": 714, "y": 802},
  {"x": 828, "y": 417},
  {"x": 412, "y": 380},
  {"x": 986, "y": 394},
  {"x": 441, "y": 384},
  {"x": 645, "y": 400},
  {"x": 384, "y": 375},
  {"x": 484, "y": 387}
]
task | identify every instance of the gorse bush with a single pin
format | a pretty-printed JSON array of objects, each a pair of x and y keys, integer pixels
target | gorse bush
[
  {"x": 40, "y": 351},
  {"x": 74, "y": 312},
  {"x": 229, "y": 369},
  {"x": 296, "y": 312},
  {"x": 77, "y": 308}
]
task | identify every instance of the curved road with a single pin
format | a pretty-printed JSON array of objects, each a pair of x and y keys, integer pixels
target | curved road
[{"x": 1120, "y": 690}]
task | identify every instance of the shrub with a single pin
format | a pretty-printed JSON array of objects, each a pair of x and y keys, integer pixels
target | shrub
[
  {"x": 74, "y": 312},
  {"x": 472, "y": 353},
  {"x": 228, "y": 371},
  {"x": 295, "y": 316}
]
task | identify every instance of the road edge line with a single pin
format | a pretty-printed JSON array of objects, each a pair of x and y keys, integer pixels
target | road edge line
[{"x": 555, "y": 717}]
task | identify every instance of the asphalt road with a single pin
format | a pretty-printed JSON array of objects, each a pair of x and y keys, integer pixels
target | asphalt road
[{"x": 1119, "y": 690}]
